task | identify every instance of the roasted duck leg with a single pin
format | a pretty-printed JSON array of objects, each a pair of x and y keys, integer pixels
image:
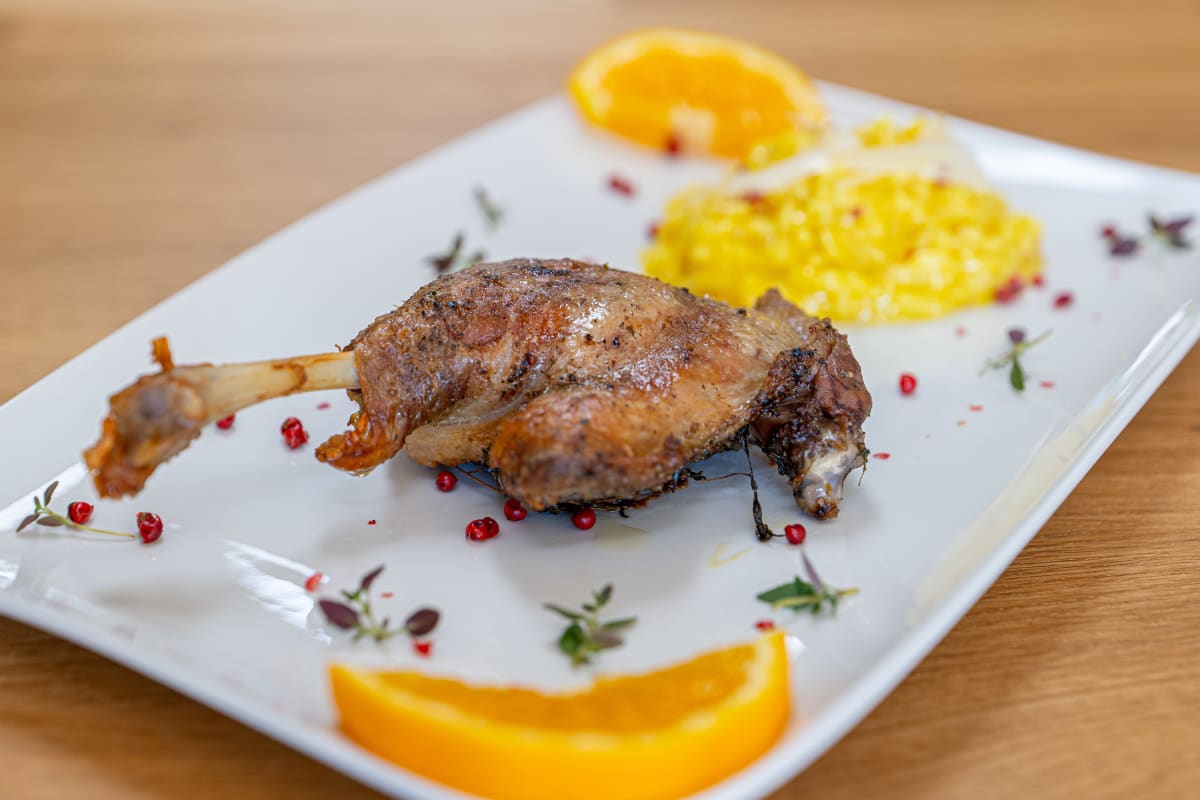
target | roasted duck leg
[{"x": 574, "y": 383}]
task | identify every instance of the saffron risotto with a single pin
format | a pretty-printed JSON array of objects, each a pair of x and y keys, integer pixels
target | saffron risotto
[{"x": 852, "y": 246}]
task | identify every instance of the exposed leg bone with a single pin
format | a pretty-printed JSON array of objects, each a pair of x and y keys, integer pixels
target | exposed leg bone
[
  {"x": 159, "y": 415},
  {"x": 810, "y": 410}
]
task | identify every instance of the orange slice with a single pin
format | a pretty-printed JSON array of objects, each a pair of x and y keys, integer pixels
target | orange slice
[
  {"x": 707, "y": 93},
  {"x": 657, "y": 735}
]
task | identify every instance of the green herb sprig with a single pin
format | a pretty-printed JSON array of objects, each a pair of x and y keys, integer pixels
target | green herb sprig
[
  {"x": 799, "y": 595},
  {"x": 585, "y": 635},
  {"x": 45, "y": 516},
  {"x": 355, "y": 614},
  {"x": 455, "y": 257},
  {"x": 1012, "y": 359},
  {"x": 492, "y": 213}
]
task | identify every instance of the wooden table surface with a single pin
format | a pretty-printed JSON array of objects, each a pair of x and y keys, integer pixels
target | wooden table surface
[{"x": 144, "y": 143}]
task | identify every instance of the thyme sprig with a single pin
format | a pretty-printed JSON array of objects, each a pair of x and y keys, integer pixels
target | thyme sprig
[
  {"x": 492, "y": 213},
  {"x": 1012, "y": 359},
  {"x": 47, "y": 517},
  {"x": 585, "y": 635},
  {"x": 357, "y": 615},
  {"x": 455, "y": 258},
  {"x": 813, "y": 595}
]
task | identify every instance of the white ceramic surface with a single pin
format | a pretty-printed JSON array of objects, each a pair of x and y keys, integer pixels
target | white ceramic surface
[{"x": 218, "y": 609}]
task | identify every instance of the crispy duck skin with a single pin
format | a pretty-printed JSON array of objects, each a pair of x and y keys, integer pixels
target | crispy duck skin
[{"x": 574, "y": 383}]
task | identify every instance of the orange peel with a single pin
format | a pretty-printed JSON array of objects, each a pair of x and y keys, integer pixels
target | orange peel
[
  {"x": 705, "y": 93},
  {"x": 655, "y": 735}
]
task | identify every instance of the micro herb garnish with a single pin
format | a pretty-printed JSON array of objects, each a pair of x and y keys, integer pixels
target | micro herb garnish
[
  {"x": 491, "y": 212},
  {"x": 445, "y": 262},
  {"x": 799, "y": 595},
  {"x": 355, "y": 614},
  {"x": 1168, "y": 231},
  {"x": 454, "y": 258},
  {"x": 43, "y": 515},
  {"x": 586, "y": 635},
  {"x": 1012, "y": 359}
]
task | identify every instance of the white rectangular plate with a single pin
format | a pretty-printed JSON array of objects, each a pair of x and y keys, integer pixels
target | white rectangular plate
[{"x": 218, "y": 609}]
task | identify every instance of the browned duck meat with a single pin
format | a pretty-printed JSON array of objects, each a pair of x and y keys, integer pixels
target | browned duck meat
[{"x": 574, "y": 383}]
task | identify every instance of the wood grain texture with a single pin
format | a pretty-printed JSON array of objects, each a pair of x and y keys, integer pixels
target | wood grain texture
[{"x": 143, "y": 143}]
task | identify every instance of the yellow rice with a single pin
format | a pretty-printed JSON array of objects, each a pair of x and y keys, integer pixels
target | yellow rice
[{"x": 859, "y": 249}]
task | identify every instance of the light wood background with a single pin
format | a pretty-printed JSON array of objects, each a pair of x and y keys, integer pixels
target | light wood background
[{"x": 144, "y": 143}]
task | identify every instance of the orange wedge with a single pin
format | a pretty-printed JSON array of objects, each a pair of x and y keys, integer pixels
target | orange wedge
[
  {"x": 657, "y": 735},
  {"x": 706, "y": 93}
]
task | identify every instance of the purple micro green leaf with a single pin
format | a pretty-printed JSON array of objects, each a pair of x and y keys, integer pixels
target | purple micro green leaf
[
  {"x": 1176, "y": 226},
  {"x": 1123, "y": 247},
  {"x": 25, "y": 523},
  {"x": 49, "y": 493},
  {"x": 50, "y": 522},
  {"x": 1171, "y": 231},
  {"x": 369, "y": 578},
  {"x": 422, "y": 621},
  {"x": 339, "y": 614},
  {"x": 1175, "y": 237},
  {"x": 1016, "y": 335},
  {"x": 606, "y": 641},
  {"x": 811, "y": 572}
]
